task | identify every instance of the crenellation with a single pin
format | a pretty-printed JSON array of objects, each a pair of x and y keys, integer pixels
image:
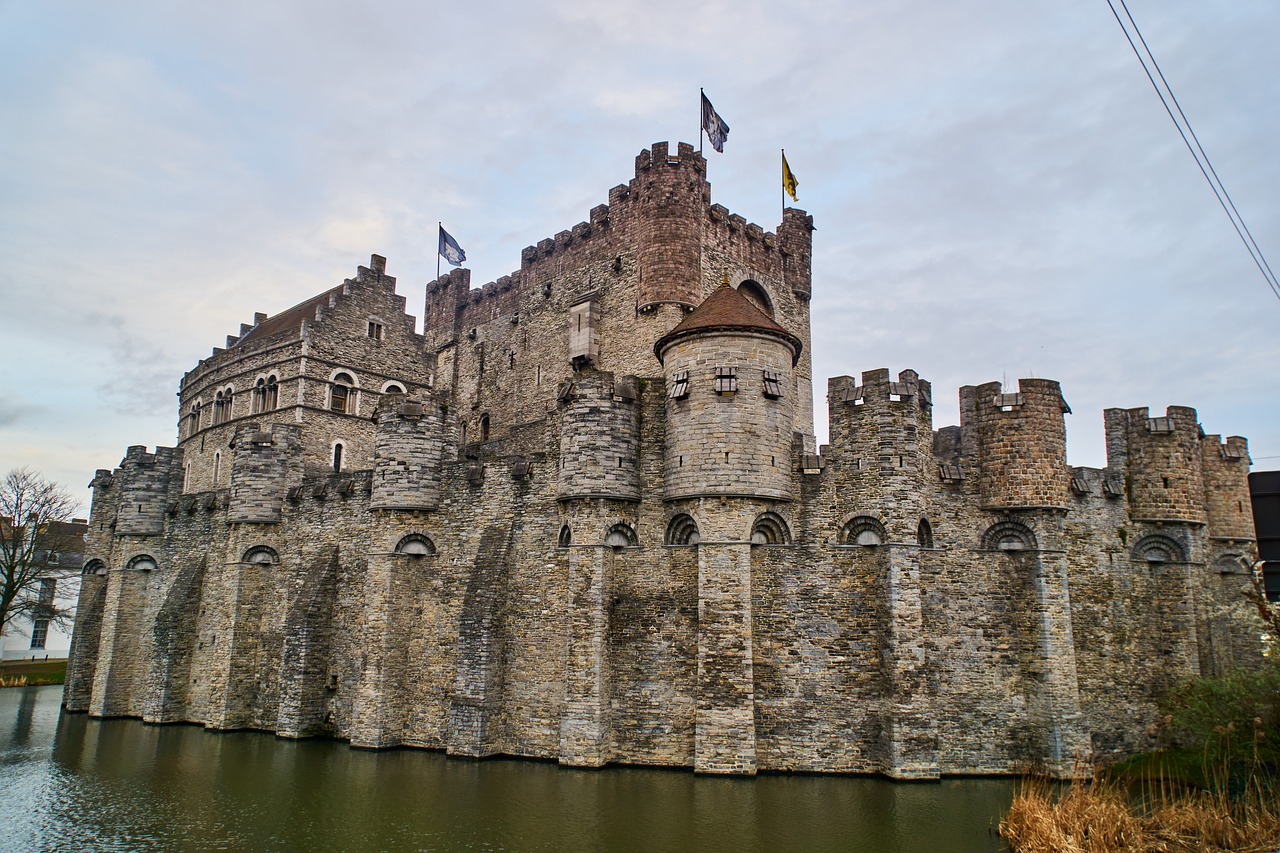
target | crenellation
[{"x": 583, "y": 517}]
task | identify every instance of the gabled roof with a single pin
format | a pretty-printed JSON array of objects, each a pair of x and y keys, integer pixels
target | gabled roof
[
  {"x": 292, "y": 318},
  {"x": 727, "y": 310}
]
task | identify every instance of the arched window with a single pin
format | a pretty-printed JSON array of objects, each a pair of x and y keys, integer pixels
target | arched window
[
  {"x": 393, "y": 388},
  {"x": 863, "y": 530},
  {"x": 217, "y": 466},
  {"x": 260, "y": 555},
  {"x": 770, "y": 529},
  {"x": 621, "y": 536},
  {"x": 1009, "y": 536},
  {"x": 566, "y": 536},
  {"x": 756, "y": 295},
  {"x": 682, "y": 530},
  {"x": 924, "y": 534},
  {"x": 194, "y": 417},
  {"x": 415, "y": 545},
  {"x": 94, "y": 567},
  {"x": 342, "y": 394},
  {"x": 1158, "y": 549},
  {"x": 266, "y": 394},
  {"x": 337, "y": 456},
  {"x": 484, "y": 427},
  {"x": 141, "y": 563},
  {"x": 219, "y": 408}
]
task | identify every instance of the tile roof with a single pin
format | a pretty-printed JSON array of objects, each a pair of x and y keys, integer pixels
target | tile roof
[
  {"x": 292, "y": 318},
  {"x": 725, "y": 310}
]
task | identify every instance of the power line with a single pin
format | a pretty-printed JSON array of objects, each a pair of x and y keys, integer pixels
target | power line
[{"x": 1206, "y": 167}]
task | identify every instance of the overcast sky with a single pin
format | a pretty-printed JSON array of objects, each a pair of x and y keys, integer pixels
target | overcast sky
[{"x": 997, "y": 190}]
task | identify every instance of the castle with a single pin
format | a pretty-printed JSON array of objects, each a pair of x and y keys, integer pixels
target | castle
[{"x": 583, "y": 517}]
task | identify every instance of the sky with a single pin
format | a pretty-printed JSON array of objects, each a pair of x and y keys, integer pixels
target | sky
[{"x": 997, "y": 190}]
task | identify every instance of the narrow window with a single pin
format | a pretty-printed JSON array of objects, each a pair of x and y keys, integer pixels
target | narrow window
[
  {"x": 726, "y": 380},
  {"x": 679, "y": 385},
  {"x": 272, "y": 394},
  {"x": 217, "y": 465},
  {"x": 218, "y": 411},
  {"x": 484, "y": 427},
  {"x": 258, "y": 402},
  {"x": 772, "y": 384},
  {"x": 337, "y": 456}
]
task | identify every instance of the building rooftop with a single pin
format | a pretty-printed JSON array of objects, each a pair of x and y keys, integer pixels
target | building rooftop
[{"x": 727, "y": 310}]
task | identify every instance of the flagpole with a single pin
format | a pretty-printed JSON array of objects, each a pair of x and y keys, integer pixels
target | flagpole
[
  {"x": 701, "y": 96},
  {"x": 439, "y": 228},
  {"x": 784, "y": 183}
]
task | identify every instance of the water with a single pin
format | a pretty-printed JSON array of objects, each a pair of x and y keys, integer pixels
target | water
[{"x": 73, "y": 783}]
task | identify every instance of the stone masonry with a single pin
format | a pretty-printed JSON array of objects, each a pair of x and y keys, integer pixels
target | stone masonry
[{"x": 582, "y": 516}]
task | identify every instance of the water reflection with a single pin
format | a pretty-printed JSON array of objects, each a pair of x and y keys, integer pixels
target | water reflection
[{"x": 71, "y": 783}]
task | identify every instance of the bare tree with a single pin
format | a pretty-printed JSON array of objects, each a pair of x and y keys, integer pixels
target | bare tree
[{"x": 35, "y": 536}]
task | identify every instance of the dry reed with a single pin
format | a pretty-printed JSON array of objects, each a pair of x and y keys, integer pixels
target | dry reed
[{"x": 1106, "y": 816}]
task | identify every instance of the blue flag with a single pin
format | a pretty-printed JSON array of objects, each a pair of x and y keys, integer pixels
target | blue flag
[
  {"x": 717, "y": 130},
  {"x": 450, "y": 250}
]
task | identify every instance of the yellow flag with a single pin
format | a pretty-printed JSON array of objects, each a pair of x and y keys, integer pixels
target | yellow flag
[{"x": 789, "y": 182}]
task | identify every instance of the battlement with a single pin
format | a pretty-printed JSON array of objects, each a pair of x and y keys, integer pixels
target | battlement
[
  {"x": 662, "y": 215},
  {"x": 1161, "y": 459},
  {"x": 144, "y": 480},
  {"x": 136, "y": 455},
  {"x": 877, "y": 387}
]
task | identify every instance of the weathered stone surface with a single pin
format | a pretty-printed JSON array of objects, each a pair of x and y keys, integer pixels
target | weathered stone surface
[{"x": 542, "y": 540}]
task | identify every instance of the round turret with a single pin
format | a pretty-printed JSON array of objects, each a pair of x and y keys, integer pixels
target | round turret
[
  {"x": 599, "y": 437},
  {"x": 1021, "y": 443},
  {"x": 1160, "y": 457},
  {"x": 730, "y": 407}
]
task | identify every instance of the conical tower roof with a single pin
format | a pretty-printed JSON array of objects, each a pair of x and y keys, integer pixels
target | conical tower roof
[{"x": 727, "y": 310}]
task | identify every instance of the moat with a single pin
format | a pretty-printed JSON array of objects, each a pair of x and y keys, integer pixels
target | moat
[{"x": 68, "y": 782}]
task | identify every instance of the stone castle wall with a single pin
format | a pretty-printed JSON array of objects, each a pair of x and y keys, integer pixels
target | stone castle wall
[{"x": 539, "y": 549}]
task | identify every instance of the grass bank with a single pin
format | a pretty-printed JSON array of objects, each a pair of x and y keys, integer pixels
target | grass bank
[{"x": 33, "y": 673}]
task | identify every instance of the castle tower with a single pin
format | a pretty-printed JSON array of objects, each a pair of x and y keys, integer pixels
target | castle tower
[
  {"x": 730, "y": 431},
  {"x": 880, "y": 459},
  {"x": 795, "y": 237},
  {"x": 598, "y": 484},
  {"x": 673, "y": 197},
  {"x": 881, "y": 447},
  {"x": 408, "y": 449},
  {"x": 144, "y": 490},
  {"x": 1162, "y": 463},
  {"x": 599, "y": 437},
  {"x": 143, "y": 483},
  {"x": 730, "y": 413},
  {"x": 1019, "y": 442},
  {"x": 1225, "y": 465},
  {"x": 267, "y": 461}
]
